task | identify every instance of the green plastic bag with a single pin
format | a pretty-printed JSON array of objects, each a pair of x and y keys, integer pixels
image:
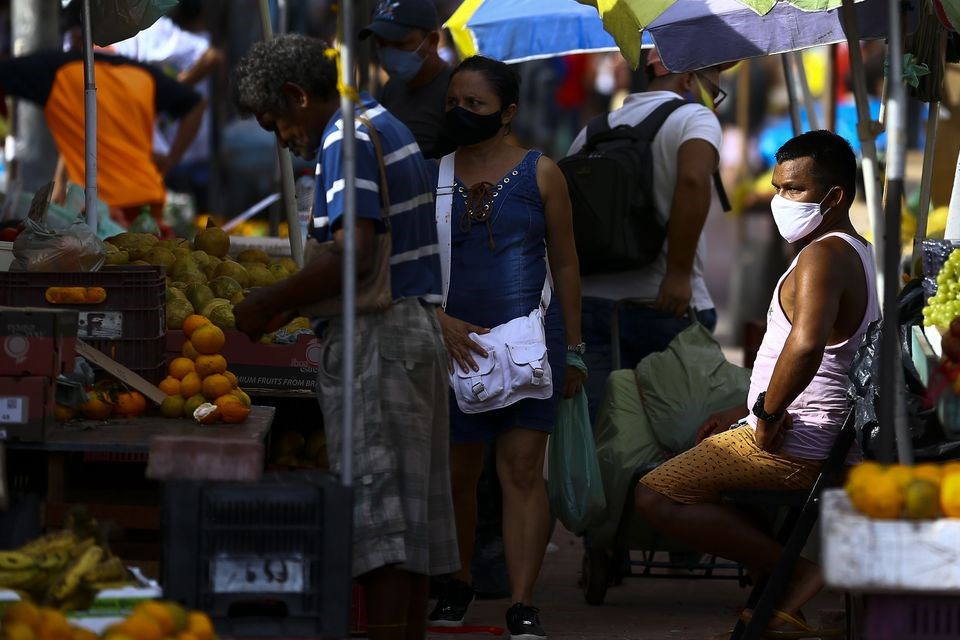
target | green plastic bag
[{"x": 575, "y": 486}]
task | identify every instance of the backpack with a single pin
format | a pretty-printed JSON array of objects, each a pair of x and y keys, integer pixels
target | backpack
[{"x": 610, "y": 179}]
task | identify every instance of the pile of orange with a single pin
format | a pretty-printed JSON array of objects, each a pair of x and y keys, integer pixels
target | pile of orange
[
  {"x": 200, "y": 378},
  {"x": 157, "y": 620},
  {"x": 103, "y": 403},
  {"x": 921, "y": 492},
  {"x": 24, "y": 620}
]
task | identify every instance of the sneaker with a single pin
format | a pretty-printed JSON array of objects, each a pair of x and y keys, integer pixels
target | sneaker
[
  {"x": 452, "y": 605},
  {"x": 523, "y": 622}
]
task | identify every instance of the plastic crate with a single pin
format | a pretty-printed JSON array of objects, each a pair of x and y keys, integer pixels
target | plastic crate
[
  {"x": 269, "y": 558},
  {"x": 128, "y": 326},
  {"x": 911, "y": 617}
]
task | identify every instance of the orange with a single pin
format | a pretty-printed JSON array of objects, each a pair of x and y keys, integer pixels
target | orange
[
  {"x": 950, "y": 496},
  {"x": 193, "y": 321},
  {"x": 208, "y": 339},
  {"x": 160, "y": 614},
  {"x": 234, "y": 412},
  {"x": 191, "y": 385},
  {"x": 198, "y": 623},
  {"x": 170, "y": 386},
  {"x": 226, "y": 399},
  {"x": 178, "y": 614},
  {"x": 186, "y": 635},
  {"x": 63, "y": 413},
  {"x": 209, "y": 365},
  {"x": 79, "y": 633},
  {"x": 130, "y": 404},
  {"x": 179, "y": 367},
  {"x": 244, "y": 398},
  {"x": 140, "y": 626},
  {"x": 172, "y": 406},
  {"x": 233, "y": 379},
  {"x": 23, "y": 611},
  {"x": 53, "y": 626},
  {"x": 17, "y": 631},
  {"x": 188, "y": 351},
  {"x": 215, "y": 386},
  {"x": 97, "y": 406},
  {"x": 191, "y": 405}
]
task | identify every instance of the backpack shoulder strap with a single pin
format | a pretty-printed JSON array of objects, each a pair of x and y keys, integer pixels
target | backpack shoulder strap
[
  {"x": 598, "y": 125},
  {"x": 648, "y": 127}
]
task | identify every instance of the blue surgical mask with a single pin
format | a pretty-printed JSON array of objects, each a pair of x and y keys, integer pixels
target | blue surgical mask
[{"x": 399, "y": 64}]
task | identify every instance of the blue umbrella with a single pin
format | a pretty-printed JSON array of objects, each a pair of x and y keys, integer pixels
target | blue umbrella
[{"x": 519, "y": 30}]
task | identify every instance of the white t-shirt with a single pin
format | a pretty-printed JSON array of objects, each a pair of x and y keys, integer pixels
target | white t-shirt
[
  {"x": 689, "y": 122},
  {"x": 165, "y": 44}
]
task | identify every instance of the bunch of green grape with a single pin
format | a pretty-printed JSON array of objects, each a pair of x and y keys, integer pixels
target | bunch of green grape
[{"x": 944, "y": 306}]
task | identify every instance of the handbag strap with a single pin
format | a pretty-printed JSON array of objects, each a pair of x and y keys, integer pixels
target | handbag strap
[{"x": 445, "y": 189}]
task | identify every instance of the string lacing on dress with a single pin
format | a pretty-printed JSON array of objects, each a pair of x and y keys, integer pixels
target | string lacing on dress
[{"x": 479, "y": 199}]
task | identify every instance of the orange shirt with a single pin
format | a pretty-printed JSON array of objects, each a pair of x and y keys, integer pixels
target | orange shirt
[{"x": 128, "y": 96}]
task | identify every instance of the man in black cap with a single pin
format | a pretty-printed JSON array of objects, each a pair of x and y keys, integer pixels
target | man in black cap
[{"x": 407, "y": 33}]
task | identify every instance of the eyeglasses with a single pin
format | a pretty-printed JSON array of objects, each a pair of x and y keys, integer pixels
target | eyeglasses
[{"x": 721, "y": 94}]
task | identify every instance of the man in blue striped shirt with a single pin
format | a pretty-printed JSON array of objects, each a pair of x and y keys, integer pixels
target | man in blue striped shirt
[{"x": 403, "y": 528}]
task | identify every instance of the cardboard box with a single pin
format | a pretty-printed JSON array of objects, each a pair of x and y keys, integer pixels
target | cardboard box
[
  {"x": 26, "y": 407},
  {"x": 869, "y": 555},
  {"x": 37, "y": 342},
  {"x": 282, "y": 369}
]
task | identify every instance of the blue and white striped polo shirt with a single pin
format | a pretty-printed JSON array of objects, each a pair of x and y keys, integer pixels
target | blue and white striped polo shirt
[{"x": 415, "y": 264}]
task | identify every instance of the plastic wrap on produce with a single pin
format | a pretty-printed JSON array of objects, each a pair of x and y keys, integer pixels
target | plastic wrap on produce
[{"x": 934, "y": 253}]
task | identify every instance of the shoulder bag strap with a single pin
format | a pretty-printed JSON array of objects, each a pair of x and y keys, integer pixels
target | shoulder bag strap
[
  {"x": 599, "y": 124},
  {"x": 649, "y": 126},
  {"x": 445, "y": 186},
  {"x": 384, "y": 187}
]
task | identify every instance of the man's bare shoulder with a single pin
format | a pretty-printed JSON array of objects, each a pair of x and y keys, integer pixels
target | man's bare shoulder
[{"x": 832, "y": 258}]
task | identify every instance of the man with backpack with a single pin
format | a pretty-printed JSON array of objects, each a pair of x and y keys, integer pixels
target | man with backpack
[{"x": 642, "y": 186}]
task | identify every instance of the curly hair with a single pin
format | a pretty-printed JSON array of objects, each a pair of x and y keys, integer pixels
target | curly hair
[{"x": 258, "y": 76}]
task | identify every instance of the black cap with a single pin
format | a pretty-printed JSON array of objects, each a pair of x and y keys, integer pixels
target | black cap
[{"x": 394, "y": 19}]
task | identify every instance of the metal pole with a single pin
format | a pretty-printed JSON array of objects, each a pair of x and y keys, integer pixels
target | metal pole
[
  {"x": 867, "y": 131},
  {"x": 32, "y": 153},
  {"x": 830, "y": 90},
  {"x": 800, "y": 76},
  {"x": 926, "y": 179},
  {"x": 286, "y": 164},
  {"x": 349, "y": 163},
  {"x": 89, "y": 121},
  {"x": 891, "y": 420},
  {"x": 792, "y": 96}
]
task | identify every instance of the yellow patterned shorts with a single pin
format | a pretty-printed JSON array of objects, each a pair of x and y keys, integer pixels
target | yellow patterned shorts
[{"x": 728, "y": 460}]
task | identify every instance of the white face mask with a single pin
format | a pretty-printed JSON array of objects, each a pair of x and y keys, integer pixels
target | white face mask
[{"x": 796, "y": 220}]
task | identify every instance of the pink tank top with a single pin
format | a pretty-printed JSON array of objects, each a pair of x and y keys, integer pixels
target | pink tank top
[{"x": 819, "y": 411}]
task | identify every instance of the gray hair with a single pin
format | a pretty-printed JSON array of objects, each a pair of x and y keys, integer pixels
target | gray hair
[{"x": 293, "y": 58}]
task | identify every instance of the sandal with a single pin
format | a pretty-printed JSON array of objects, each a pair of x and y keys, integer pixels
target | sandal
[{"x": 802, "y": 630}]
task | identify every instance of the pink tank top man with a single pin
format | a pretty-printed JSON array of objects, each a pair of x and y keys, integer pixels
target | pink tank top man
[{"x": 819, "y": 411}]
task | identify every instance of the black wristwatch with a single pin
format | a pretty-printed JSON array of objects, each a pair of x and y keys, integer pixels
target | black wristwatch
[
  {"x": 578, "y": 349},
  {"x": 759, "y": 411}
]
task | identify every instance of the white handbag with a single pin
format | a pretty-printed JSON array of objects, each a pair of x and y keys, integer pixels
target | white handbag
[{"x": 516, "y": 366}]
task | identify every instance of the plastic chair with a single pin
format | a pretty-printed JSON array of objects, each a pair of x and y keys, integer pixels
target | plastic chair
[{"x": 804, "y": 508}]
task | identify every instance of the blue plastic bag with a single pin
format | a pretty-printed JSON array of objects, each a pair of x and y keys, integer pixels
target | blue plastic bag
[{"x": 575, "y": 486}]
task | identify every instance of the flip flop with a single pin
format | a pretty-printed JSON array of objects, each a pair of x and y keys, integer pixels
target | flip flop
[{"x": 803, "y": 630}]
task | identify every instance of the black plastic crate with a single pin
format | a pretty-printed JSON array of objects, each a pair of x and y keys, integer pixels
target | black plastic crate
[
  {"x": 134, "y": 307},
  {"x": 268, "y": 558},
  {"x": 911, "y": 616}
]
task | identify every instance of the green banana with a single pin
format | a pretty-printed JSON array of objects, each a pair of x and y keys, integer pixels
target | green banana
[
  {"x": 52, "y": 542},
  {"x": 15, "y": 561},
  {"x": 70, "y": 578},
  {"x": 17, "y": 578},
  {"x": 110, "y": 570},
  {"x": 52, "y": 560}
]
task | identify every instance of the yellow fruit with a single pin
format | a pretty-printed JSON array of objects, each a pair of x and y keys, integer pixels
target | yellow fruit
[
  {"x": 178, "y": 614},
  {"x": 170, "y": 386},
  {"x": 172, "y": 406},
  {"x": 921, "y": 499},
  {"x": 950, "y": 495},
  {"x": 159, "y": 613},
  {"x": 902, "y": 474},
  {"x": 208, "y": 339},
  {"x": 198, "y": 623},
  {"x": 80, "y": 633},
  {"x": 17, "y": 631},
  {"x": 212, "y": 240},
  {"x": 215, "y": 386},
  {"x": 244, "y": 398},
  {"x": 233, "y": 379},
  {"x": 142, "y": 627},
  {"x": 880, "y": 498},
  {"x": 191, "y": 385},
  {"x": 192, "y": 322},
  {"x": 188, "y": 351},
  {"x": 180, "y": 367},
  {"x": 191, "y": 405},
  {"x": 209, "y": 365},
  {"x": 950, "y": 468},
  {"x": 23, "y": 611},
  {"x": 928, "y": 471}
]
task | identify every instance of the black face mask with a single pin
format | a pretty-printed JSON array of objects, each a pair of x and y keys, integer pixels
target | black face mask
[{"x": 465, "y": 127}]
